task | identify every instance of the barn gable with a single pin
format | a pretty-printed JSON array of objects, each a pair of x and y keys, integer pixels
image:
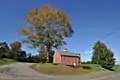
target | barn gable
[{"x": 66, "y": 58}]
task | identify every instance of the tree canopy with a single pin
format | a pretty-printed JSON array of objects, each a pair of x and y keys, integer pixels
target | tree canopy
[{"x": 47, "y": 27}]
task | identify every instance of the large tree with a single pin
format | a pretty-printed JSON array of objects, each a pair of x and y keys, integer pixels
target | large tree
[
  {"x": 98, "y": 49},
  {"x": 102, "y": 55},
  {"x": 47, "y": 28}
]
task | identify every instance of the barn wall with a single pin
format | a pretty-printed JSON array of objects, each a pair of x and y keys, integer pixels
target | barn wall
[
  {"x": 57, "y": 58},
  {"x": 70, "y": 60}
]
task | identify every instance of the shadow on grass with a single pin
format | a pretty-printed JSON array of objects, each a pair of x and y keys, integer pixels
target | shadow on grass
[
  {"x": 86, "y": 67},
  {"x": 111, "y": 69}
]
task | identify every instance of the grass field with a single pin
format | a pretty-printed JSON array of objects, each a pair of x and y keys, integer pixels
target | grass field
[
  {"x": 6, "y": 61},
  {"x": 97, "y": 68},
  {"x": 51, "y": 69},
  {"x": 116, "y": 67}
]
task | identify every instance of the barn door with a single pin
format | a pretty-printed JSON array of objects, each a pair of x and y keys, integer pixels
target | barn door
[{"x": 63, "y": 59}]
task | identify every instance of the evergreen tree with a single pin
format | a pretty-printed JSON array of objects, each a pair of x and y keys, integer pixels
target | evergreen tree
[{"x": 102, "y": 55}]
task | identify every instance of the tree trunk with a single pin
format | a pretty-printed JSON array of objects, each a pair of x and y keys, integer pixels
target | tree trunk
[
  {"x": 42, "y": 48},
  {"x": 48, "y": 53}
]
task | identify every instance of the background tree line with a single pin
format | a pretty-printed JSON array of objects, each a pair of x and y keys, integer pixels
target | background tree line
[{"x": 14, "y": 51}]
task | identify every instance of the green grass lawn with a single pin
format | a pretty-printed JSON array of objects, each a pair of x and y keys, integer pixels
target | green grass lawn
[
  {"x": 6, "y": 61},
  {"x": 97, "y": 69},
  {"x": 116, "y": 67},
  {"x": 51, "y": 69},
  {"x": 94, "y": 68}
]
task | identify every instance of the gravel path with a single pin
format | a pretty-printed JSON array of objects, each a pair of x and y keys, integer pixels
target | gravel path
[{"x": 21, "y": 71}]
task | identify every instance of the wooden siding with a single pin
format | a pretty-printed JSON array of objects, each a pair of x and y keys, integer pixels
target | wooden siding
[
  {"x": 66, "y": 59},
  {"x": 70, "y": 60},
  {"x": 57, "y": 58}
]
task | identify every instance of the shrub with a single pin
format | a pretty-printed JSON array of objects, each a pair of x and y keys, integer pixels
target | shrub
[
  {"x": 86, "y": 67},
  {"x": 55, "y": 63},
  {"x": 43, "y": 57}
]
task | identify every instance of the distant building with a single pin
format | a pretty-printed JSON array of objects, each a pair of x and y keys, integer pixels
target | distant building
[{"x": 67, "y": 58}]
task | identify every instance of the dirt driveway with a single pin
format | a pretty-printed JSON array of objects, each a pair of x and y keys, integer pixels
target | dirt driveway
[{"x": 21, "y": 71}]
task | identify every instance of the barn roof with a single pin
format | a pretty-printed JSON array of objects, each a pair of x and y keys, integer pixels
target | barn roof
[{"x": 67, "y": 53}]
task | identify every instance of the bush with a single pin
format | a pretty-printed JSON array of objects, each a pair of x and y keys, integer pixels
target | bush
[
  {"x": 86, "y": 67},
  {"x": 55, "y": 63},
  {"x": 36, "y": 59},
  {"x": 43, "y": 57}
]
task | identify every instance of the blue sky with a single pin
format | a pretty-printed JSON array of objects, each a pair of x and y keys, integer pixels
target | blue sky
[{"x": 91, "y": 20}]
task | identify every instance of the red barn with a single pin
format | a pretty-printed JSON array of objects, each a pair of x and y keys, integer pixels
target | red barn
[{"x": 66, "y": 58}]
